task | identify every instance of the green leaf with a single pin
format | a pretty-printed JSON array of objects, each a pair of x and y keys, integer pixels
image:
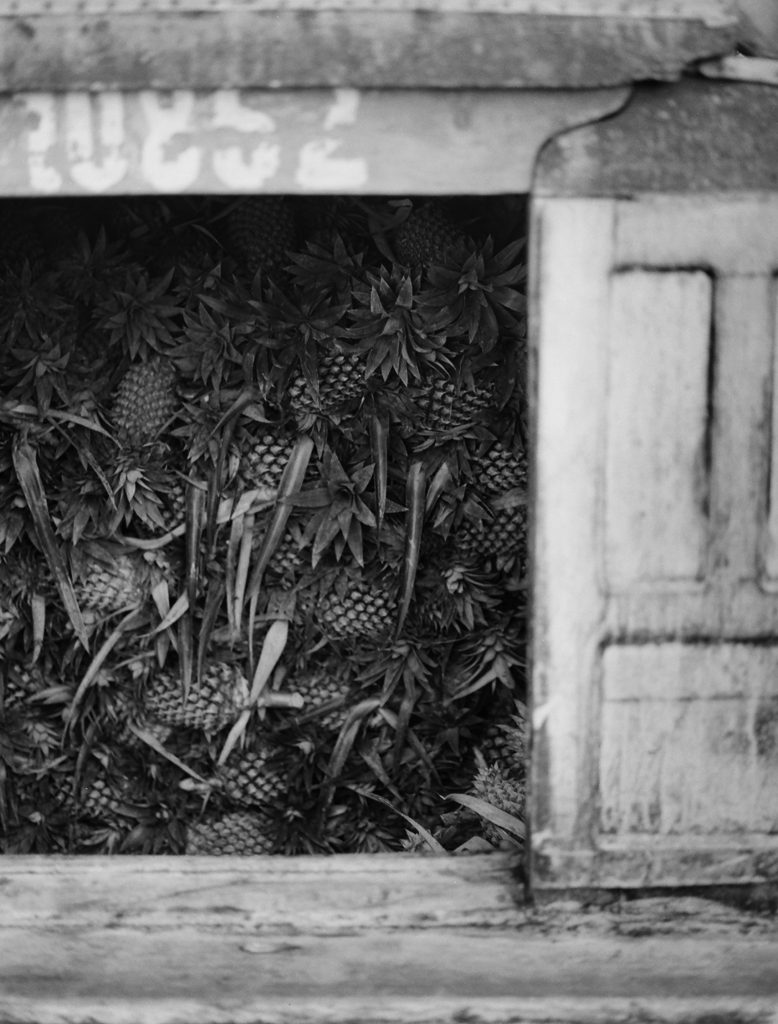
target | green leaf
[
  {"x": 415, "y": 498},
  {"x": 289, "y": 486},
  {"x": 492, "y": 814},
  {"x": 27, "y": 472}
]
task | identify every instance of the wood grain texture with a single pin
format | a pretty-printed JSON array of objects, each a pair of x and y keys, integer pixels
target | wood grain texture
[
  {"x": 311, "y": 45},
  {"x": 656, "y": 486},
  {"x": 313, "y": 894},
  {"x": 112, "y": 957},
  {"x": 695, "y": 137},
  {"x": 653, "y": 523},
  {"x": 309, "y": 141},
  {"x": 570, "y": 264},
  {"x": 689, "y": 739}
]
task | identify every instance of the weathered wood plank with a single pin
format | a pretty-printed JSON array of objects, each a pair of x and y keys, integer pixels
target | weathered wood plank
[
  {"x": 185, "y": 973},
  {"x": 689, "y": 739},
  {"x": 209, "y": 46},
  {"x": 599, "y": 761},
  {"x": 311, "y": 894},
  {"x": 656, "y": 477},
  {"x": 312, "y": 141},
  {"x": 696, "y": 136},
  {"x": 644, "y": 862},
  {"x": 570, "y": 265}
]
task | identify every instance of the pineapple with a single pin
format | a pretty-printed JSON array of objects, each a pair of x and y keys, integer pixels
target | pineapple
[
  {"x": 107, "y": 796},
  {"x": 173, "y": 503},
  {"x": 288, "y": 560},
  {"x": 9, "y": 615},
  {"x": 363, "y": 611},
  {"x": 341, "y": 379},
  {"x": 496, "y": 787},
  {"x": 247, "y": 781},
  {"x": 507, "y": 746},
  {"x": 448, "y": 406},
  {"x": 501, "y": 470},
  {"x": 17, "y": 687},
  {"x": 239, "y": 833},
  {"x": 263, "y": 459},
  {"x": 145, "y": 400},
  {"x": 458, "y": 596},
  {"x": 326, "y": 692},
  {"x": 129, "y": 714},
  {"x": 426, "y": 236},
  {"x": 505, "y": 533},
  {"x": 107, "y": 586},
  {"x": 214, "y": 702},
  {"x": 260, "y": 231}
]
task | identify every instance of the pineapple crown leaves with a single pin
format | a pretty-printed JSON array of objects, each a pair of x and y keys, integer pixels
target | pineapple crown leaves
[
  {"x": 28, "y": 307},
  {"x": 458, "y": 597},
  {"x": 138, "y": 492},
  {"x": 40, "y": 370},
  {"x": 91, "y": 272},
  {"x": 386, "y": 325},
  {"x": 340, "y": 510},
  {"x": 491, "y": 656},
  {"x": 302, "y": 319},
  {"x": 211, "y": 346},
  {"x": 475, "y": 294},
  {"x": 140, "y": 315},
  {"x": 328, "y": 272}
]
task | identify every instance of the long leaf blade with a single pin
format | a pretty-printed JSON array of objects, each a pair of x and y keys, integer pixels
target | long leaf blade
[
  {"x": 291, "y": 482},
  {"x": 415, "y": 500},
  {"x": 26, "y": 466}
]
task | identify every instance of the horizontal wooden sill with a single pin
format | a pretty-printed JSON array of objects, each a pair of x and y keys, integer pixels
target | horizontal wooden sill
[{"x": 384, "y": 938}]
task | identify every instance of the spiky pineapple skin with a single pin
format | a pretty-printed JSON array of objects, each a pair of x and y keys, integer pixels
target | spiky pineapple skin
[
  {"x": 248, "y": 781},
  {"x": 211, "y": 704},
  {"x": 341, "y": 379},
  {"x": 237, "y": 834},
  {"x": 108, "y": 588},
  {"x": 501, "y": 469},
  {"x": 144, "y": 402},
  {"x": 497, "y": 787},
  {"x": 363, "y": 611},
  {"x": 263, "y": 459},
  {"x": 426, "y": 236},
  {"x": 448, "y": 406},
  {"x": 506, "y": 746},
  {"x": 503, "y": 534},
  {"x": 260, "y": 232},
  {"x": 9, "y": 615},
  {"x": 101, "y": 798},
  {"x": 326, "y": 695}
]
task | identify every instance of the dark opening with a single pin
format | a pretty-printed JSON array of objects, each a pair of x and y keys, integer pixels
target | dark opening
[{"x": 263, "y": 514}]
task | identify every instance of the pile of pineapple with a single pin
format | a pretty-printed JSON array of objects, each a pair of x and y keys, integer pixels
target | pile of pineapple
[{"x": 263, "y": 515}]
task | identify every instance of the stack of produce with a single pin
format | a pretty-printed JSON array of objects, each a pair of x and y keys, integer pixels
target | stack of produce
[{"x": 263, "y": 527}]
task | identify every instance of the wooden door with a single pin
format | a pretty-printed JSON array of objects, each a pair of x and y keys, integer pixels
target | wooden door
[{"x": 656, "y": 541}]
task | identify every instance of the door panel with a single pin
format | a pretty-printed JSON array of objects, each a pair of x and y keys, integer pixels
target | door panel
[{"x": 656, "y": 540}]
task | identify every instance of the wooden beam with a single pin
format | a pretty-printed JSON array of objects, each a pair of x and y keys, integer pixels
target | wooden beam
[
  {"x": 396, "y": 940},
  {"x": 694, "y": 137},
  {"x": 321, "y": 895},
  {"x": 308, "y": 141},
  {"x": 73, "y": 44}
]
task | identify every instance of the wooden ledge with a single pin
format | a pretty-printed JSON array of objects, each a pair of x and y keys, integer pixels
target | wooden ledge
[
  {"x": 369, "y": 939},
  {"x": 105, "y": 44}
]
